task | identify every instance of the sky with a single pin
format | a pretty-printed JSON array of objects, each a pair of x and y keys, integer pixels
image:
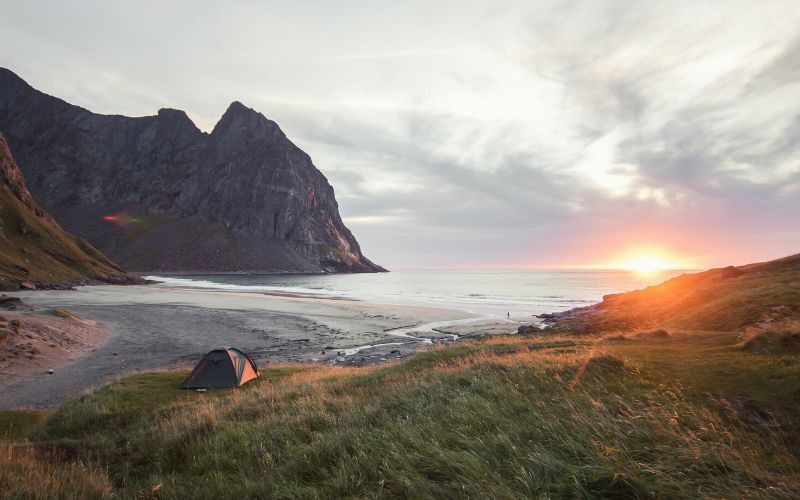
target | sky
[{"x": 477, "y": 134}]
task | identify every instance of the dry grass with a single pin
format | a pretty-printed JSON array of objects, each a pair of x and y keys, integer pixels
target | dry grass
[
  {"x": 658, "y": 333},
  {"x": 781, "y": 337},
  {"x": 26, "y": 472},
  {"x": 502, "y": 417}
]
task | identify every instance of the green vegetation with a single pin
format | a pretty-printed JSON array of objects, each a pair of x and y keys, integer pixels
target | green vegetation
[
  {"x": 14, "y": 424},
  {"x": 511, "y": 416},
  {"x": 64, "y": 313}
]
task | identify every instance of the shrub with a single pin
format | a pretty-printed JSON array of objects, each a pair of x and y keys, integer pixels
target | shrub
[{"x": 64, "y": 313}]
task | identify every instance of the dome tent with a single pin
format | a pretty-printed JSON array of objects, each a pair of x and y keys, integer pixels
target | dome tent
[{"x": 226, "y": 367}]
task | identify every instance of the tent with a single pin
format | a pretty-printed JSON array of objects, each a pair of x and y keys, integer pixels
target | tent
[{"x": 226, "y": 367}]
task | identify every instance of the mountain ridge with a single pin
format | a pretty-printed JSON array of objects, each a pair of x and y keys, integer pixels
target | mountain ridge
[
  {"x": 34, "y": 250},
  {"x": 156, "y": 193}
]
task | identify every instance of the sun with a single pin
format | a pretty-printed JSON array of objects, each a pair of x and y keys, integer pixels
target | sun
[{"x": 647, "y": 264}]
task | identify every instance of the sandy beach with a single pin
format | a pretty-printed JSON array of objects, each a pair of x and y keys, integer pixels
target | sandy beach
[{"x": 124, "y": 329}]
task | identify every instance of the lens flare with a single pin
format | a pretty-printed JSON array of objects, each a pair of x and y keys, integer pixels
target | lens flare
[{"x": 122, "y": 219}]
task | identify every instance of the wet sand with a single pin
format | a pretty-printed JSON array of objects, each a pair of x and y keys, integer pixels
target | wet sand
[{"x": 156, "y": 327}]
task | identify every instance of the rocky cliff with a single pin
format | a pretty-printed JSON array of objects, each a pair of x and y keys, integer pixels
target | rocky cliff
[
  {"x": 157, "y": 194},
  {"x": 34, "y": 250}
]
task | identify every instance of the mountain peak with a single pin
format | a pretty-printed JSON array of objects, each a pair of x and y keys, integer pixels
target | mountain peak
[
  {"x": 236, "y": 108},
  {"x": 241, "y": 121}
]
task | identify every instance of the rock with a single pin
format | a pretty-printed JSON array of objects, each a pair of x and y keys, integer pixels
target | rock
[
  {"x": 243, "y": 197},
  {"x": 10, "y": 303},
  {"x": 50, "y": 371},
  {"x": 340, "y": 359},
  {"x": 526, "y": 329},
  {"x": 24, "y": 228},
  {"x": 27, "y": 285}
]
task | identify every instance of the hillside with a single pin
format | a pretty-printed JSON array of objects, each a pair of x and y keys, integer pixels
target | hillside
[
  {"x": 504, "y": 417},
  {"x": 155, "y": 193},
  {"x": 686, "y": 414},
  {"x": 724, "y": 299},
  {"x": 33, "y": 248}
]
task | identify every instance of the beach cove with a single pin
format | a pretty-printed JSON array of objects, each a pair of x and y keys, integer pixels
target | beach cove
[
  {"x": 160, "y": 327},
  {"x": 348, "y": 320}
]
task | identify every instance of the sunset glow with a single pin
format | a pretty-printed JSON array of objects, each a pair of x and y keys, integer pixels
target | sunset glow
[{"x": 648, "y": 264}]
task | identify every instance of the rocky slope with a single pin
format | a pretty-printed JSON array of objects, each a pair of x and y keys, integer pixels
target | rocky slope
[
  {"x": 157, "y": 194},
  {"x": 34, "y": 250}
]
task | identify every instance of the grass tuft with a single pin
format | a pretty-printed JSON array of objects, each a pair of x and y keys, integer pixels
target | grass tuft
[
  {"x": 64, "y": 313},
  {"x": 772, "y": 338},
  {"x": 658, "y": 333}
]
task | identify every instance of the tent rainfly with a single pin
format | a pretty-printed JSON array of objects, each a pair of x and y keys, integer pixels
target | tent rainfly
[{"x": 227, "y": 367}]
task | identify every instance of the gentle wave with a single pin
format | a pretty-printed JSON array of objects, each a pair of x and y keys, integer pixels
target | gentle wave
[
  {"x": 492, "y": 293},
  {"x": 213, "y": 285}
]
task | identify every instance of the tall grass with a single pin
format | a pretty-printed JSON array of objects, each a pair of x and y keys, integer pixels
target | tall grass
[
  {"x": 26, "y": 472},
  {"x": 507, "y": 417},
  {"x": 781, "y": 337}
]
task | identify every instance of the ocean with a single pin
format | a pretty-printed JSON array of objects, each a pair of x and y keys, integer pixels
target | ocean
[{"x": 495, "y": 292}]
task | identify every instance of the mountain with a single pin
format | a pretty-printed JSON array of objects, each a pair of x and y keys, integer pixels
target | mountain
[
  {"x": 723, "y": 299},
  {"x": 157, "y": 194},
  {"x": 33, "y": 248}
]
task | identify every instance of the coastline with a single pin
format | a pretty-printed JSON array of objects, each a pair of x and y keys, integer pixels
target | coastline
[{"x": 157, "y": 327}]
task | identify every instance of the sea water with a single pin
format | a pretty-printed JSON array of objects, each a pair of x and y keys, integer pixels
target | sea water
[{"x": 494, "y": 292}]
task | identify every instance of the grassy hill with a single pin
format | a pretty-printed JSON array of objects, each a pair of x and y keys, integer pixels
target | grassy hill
[
  {"x": 33, "y": 248},
  {"x": 507, "y": 417},
  {"x": 725, "y": 299}
]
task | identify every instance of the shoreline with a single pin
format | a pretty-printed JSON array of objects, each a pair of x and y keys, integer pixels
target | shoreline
[{"x": 157, "y": 327}]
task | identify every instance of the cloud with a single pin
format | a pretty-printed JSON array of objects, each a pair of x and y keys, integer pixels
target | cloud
[{"x": 527, "y": 133}]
